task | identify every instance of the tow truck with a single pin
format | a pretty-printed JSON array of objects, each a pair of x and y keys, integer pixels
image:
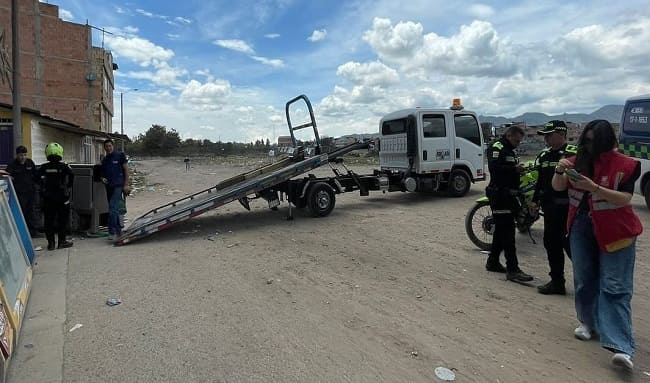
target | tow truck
[{"x": 420, "y": 150}]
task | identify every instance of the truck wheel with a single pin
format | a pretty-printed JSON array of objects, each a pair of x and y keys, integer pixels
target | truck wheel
[
  {"x": 646, "y": 193},
  {"x": 320, "y": 199},
  {"x": 459, "y": 183}
]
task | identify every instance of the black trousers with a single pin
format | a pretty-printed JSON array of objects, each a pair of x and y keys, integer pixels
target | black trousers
[
  {"x": 57, "y": 219},
  {"x": 556, "y": 241},
  {"x": 26, "y": 200},
  {"x": 504, "y": 233}
]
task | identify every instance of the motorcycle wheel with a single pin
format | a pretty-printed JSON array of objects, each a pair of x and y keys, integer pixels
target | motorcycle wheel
[{"x": 479, "y": 225}]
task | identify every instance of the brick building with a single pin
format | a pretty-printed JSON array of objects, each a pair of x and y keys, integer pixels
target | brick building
[{"x": 62, "y": 75}]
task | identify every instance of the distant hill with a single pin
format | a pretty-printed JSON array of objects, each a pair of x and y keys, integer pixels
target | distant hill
[{"x": 611, "y": 113}]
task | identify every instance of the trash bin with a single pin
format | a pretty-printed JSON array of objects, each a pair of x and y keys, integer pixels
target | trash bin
[{"x": 89, "y": 204}]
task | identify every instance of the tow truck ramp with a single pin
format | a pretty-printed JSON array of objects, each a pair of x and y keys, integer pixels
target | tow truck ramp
[{"x": 266, "y": 182}]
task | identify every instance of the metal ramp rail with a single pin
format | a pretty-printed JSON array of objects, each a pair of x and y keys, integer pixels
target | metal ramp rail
[{"x": 236, "y": 188}]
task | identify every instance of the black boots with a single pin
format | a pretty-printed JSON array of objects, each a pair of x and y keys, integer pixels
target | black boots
[
  {"x": 63, "y": 243},
  {"x": 519, "y": 276},
  {"x": 495, "y": 267},
  {"x": 553, "y": 287}
]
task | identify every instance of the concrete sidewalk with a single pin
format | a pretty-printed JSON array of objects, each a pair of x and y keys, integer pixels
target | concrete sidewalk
[{"x": 39, "y": 354}]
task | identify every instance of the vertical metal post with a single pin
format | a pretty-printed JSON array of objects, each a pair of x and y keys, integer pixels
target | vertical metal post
[
  {"x": 15, "y": 54},
  {"x": 122, "y": 120}
]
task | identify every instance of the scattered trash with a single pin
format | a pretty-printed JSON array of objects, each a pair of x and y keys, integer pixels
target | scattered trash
[
  {"x": 269, "y": 281},
  {"x": 414, "y": 353},
  {"x": 76, "y": 327},
  {"x": 38, "y": 248},
  {"x": 231, "y": 245},
  {"x": 445, "y": 374},
  {"x": 646, "y": 373},
  {"x": 189, "y": 232},
  {"x": 29, "y": 345},
  {"x": 418, "y": 296},
  {"x": 485, "y": 251},
  {"x": 211, "y": 238},
  {"x": 113, "y": 301}
]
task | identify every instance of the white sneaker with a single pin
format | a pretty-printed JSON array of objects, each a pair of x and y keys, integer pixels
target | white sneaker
[
  {"x": 583, "y": 332},
  {"x": 622, "y": 360}
]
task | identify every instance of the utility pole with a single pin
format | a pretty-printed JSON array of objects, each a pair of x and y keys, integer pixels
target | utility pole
[
  {"x": 122, "y": 116},
  {"x": 15, "y": 55}
]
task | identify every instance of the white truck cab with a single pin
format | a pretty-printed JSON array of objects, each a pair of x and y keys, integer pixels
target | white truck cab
[{"x": 435, "y": 149}]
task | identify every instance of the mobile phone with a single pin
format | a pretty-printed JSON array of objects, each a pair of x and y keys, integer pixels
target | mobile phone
[{"x": 574, "y": 175}]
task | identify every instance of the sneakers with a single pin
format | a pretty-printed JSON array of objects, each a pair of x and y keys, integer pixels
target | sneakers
[
  {"x": 583, "y": 332},
  {"x": 519, "y": 277},
  {"x": 622, "y": 360},
  {"x": 495, "y": 267},
  {"x": 65, "y": 244},
  {"x": 553, "y": 287}
]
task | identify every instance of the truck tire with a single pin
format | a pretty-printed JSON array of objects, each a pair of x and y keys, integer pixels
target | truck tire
[
  {"x": 320, "y": 199},
  {"x": 459, "y": 183},
  {"x": 646, "y": 193}
]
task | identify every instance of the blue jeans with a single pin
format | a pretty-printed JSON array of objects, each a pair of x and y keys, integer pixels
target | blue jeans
[
  {"x": 603, "y": 286},
  {"x": 114, "y": 195}
]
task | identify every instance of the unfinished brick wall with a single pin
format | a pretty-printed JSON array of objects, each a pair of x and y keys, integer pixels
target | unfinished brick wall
[{"x": 61, "y": 74}]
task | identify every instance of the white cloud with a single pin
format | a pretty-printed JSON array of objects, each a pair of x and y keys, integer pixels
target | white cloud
[
  {"x": 394, "y": 42},
  {"x": 130, "y": 30},
  {"x": 144, "y": 13},
  {"x": 207, "y": 96},
  {"x": 173, "y": 36},
  {"x": 66, "y": 15},
  {"x": 139, "y": 50},
  {"x": 475, "y": 50},
  {"x": 373, "y": 73},
  {"x": 276, "y": 63},
  {"x": 235, "y": 45},
  {"x": 317, "y": 35},
  {"x": 480, "y": 11},
  {"x": 183, "y": 20},
  {"x": 272, "y": 35}
]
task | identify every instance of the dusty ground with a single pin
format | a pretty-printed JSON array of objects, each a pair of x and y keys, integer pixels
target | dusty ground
[{"x": 385, "y": 289}]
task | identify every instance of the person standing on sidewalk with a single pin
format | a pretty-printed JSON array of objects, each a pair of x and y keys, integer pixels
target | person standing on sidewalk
[
  {"x": 115, "y": 175},
  {"x": 503, "y": 164},
  {"x": 555, "y": 205},
  {"x": 24, "y": 177},
  {"x": 56, "y": 179},
  {"x": 602, "y": 230}
]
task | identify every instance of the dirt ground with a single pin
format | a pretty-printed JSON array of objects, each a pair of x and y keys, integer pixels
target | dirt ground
[{"x": 385, "y": 289}]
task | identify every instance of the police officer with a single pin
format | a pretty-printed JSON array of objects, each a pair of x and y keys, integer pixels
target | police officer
[
  {"x": 56, "y": 184},
  {"x": 24, "y": 177},
  {"x": 503, "y": 164},
  {"x": 554, "y": 204}
]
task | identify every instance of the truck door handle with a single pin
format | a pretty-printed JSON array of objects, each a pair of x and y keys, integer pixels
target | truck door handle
[
  {"x": 457, "y": 153},
  {"x": 424, "y": 155}
]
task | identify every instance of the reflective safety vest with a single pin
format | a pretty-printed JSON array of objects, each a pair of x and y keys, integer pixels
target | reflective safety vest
[{"x": 615, "y": 227}]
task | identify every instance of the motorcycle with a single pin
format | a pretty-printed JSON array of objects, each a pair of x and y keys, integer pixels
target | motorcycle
[{"x": 479, "y": 221}]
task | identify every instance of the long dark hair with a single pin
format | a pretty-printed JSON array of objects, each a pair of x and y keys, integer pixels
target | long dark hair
[{"x": 604, "y": 140}]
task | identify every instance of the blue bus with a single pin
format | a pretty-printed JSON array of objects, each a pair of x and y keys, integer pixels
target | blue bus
[{"x": 635, "y": 139}]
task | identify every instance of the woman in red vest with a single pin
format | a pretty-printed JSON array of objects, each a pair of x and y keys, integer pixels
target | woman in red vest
[{"x": 602, "y": 229}]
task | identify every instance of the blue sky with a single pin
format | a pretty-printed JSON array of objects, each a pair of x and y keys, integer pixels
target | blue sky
[{"x": 224, "y": 69}]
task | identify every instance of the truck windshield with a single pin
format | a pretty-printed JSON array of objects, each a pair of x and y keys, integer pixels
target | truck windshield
[{"x": 636, "y": 119}]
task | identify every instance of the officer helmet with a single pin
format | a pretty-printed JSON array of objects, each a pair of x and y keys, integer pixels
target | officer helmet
[{"x": 53, "y": 149}]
